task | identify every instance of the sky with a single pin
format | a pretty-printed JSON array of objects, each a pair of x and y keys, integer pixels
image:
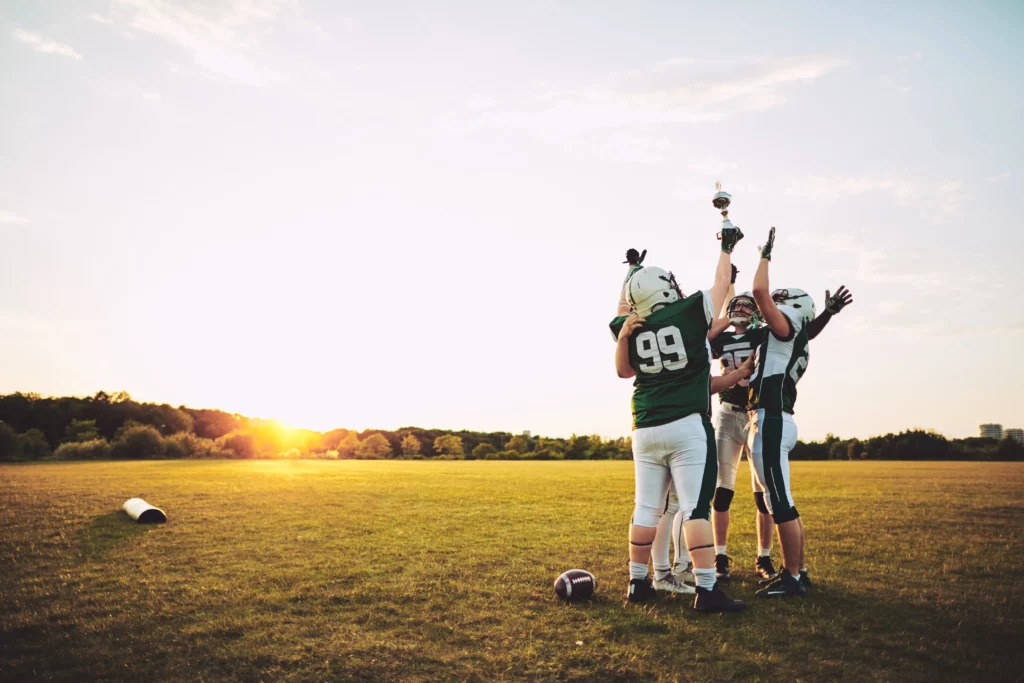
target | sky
[{"x": 384, "y": 214}]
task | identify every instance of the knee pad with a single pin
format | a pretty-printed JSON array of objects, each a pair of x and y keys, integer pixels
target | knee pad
[
  {"x": 786, "y": 516},
  {"x": 759, "y": 501},
  {"x": 644, "y": 515},
  {"x": 723, "y": 498}
]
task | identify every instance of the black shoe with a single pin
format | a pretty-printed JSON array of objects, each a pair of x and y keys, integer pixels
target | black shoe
[
  {"x": 640, "y": 590},
  {"x": 778, "y": 572},
  {"x": 715, "y": 600},
  {"x": 805, "y": 580},
  {"x": 722, "y": 568},
  {"x": 765, "y": 570},
  {"x": 786, "y": 586}
]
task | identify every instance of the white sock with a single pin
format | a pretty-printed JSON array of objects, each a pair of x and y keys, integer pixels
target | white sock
[
  {"x": 803, "y": 570},
  {"x": 719, "y": 550},
  {"x": 764, "y": 552},
  {"x": 637, "y": 571},
  {"x": 704, "y": 578},
  {"x": 661, "y": 574}
]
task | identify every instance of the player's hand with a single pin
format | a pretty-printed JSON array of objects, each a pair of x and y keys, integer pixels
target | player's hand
[
  {"x": 838, "y": 301},
  {"x": 735, "y": 272},
  {"x": 632, "y": 322},
  {"x": 729, "y": 237},
  {"x": 635, "y": 258},
  {"x": 766, "y": 250},
  {"x": 747, "y": 369}
]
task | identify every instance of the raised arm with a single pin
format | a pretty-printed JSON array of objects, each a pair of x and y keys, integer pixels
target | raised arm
[
  {"x": 634, "y": 259},
  {"x": 833, "y": 304},
  {"x": 773, "y": 317},
  {"x": 723, "y": 274}
]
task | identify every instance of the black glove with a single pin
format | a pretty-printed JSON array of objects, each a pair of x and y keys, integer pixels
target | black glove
[
  {"x": 766, "y": 250},
  {"x": 840, "y": 300},
  {"x": 735, "y": 272},
  {"x": 635, "y": 258},
  {"x": 729, "y": 237}
]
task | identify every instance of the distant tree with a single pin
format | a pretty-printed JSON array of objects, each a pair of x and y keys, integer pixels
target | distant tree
[
  {"x": 853, "y": 450},
  {"x": 449, "y": 444},
  {"x": 1009, "y": 450},
  {"x": 138, "y": 442},
  {"x": 81, "y": 430},
  {"x": 577, "y": 447},
  {"x": 239, "y": 443},
  {"x": 33, "y": 445},
  {"x": 97, "y": 449},
  {"x": 348, "y": 445},
  {"x": 411, "y": 445},
  {"x": 374, "y": 447},
  {"x": 518, "y": 443},
  {"x": 10, "y": 447},
  {"x": 483, "y": 450}
]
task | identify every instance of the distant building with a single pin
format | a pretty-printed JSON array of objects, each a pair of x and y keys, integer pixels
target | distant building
[
  {"x": 1015, "y": 434},
  {"x": 991, "y": 431}
]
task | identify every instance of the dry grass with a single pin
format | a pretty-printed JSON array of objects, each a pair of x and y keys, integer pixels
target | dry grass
[{"x": 442, "y": 570}]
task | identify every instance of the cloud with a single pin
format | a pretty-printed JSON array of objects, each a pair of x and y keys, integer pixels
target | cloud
[
  {"x": 45, "y": 45},
  {"x": 8, "y": 217},
  {"x": 999, "y": 178},
  {"x": 224, "y": 40},
  {"x": 937, "y": 200},
  {"x": 100, "y": 19},
  {"x": 676, "y": 91}
]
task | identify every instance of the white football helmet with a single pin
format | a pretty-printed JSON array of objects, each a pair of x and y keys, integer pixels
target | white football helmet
[
  {"x": 795, "y": 298},
  {"x": 736, "y": 318},
  {"x": 651, "y": 288}
]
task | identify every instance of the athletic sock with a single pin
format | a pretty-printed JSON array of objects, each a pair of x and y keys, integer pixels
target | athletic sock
[
  {"x": 637, "y": 571},
  {"x": 719, "y": 550},
  {"x": 804, "y": 570},
  {"x": 764, "y": 552},
  {"x": 704, "y": 578},
  {"x": 661, "y": 574}
]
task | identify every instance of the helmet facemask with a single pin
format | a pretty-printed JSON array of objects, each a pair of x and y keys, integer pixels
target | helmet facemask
[{"x": 738, "y": 316}]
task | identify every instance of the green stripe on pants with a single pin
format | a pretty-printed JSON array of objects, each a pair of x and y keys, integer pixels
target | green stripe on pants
[
  {"x": 707, "y": 484},
  {"x": 771, "y": 460}
]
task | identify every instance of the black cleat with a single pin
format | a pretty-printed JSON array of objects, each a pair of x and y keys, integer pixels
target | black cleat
[
  {"x": 722, "y": 568},
  {"x": 778, "y": 572},
  {"x": 805, "y": 580},
  {"x": 715, "y": 600},
  {"x": 640, "y": 590},
  {"x": 786, "y": 586},
  {"x": 765, "y": 570}
]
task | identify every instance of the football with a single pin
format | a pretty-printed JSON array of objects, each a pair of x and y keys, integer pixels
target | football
[{"x": 575, "y": 584}]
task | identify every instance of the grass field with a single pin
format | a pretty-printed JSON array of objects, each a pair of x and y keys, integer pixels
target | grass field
[{"x": 424, "y": 571}]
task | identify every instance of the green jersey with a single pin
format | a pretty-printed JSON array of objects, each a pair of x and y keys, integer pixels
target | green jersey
[
  {"x": 673, "y": 367},
  {"x": 780, "y": 364},
  {"x": 732, "y": 350}
]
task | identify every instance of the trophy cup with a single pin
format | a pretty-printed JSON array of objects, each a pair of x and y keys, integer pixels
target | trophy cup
[{"x": 721, "y": 201}]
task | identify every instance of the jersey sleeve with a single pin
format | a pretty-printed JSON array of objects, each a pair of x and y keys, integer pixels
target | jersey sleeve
[
  {"x": 717, "y": 345},
  {"x": 616, "y": 325},
  {"x": 796, "y": 322},
  {"x": 706, "y": 293}
]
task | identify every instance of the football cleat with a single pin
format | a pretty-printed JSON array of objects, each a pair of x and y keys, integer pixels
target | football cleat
[
  {"x": 785, "y": 586},
  {"x": 684, "y": 572},
  {"x": 640, "y": 590},
  {"x": 805, "y": 580},
  {"x": 715, "y": 600},
  {"x": 722, "y": 568},
  {"x": 672, "y": 584},
  {"x": 765, "y": 570}
]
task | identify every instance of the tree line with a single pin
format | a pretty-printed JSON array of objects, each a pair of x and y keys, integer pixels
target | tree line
[{"x": 114, "y": 426}]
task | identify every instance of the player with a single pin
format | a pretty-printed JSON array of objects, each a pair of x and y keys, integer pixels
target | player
[
  {"x": 663, "y": 344},
  {"x": 781, "y": 360},
  {"x": 673, "y": 577},
  {"x": 732, "y": 421}
]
